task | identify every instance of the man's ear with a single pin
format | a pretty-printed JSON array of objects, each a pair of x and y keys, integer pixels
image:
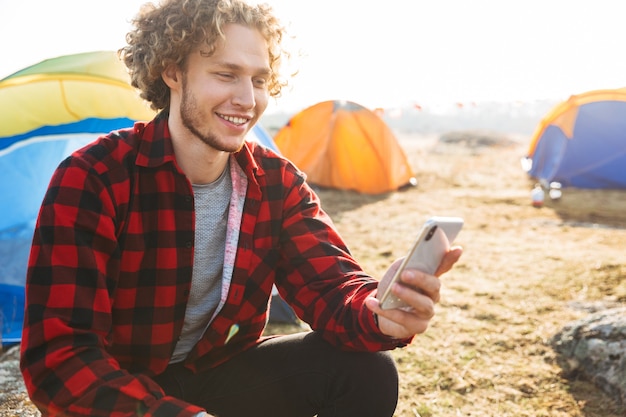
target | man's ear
[{"x": 171, "y": 76}]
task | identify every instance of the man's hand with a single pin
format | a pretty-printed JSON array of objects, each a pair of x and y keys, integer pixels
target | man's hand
[{"x": 417, "y": 289}]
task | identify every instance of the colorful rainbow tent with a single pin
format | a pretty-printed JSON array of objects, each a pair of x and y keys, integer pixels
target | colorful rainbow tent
[
  {"x": 582, "y": 142},
  {"x": 47, "y": 111},
  {"x": 341, "y": 144}
]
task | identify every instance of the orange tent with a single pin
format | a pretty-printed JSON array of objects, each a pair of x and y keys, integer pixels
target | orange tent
[{"x": 343, "y": 145}]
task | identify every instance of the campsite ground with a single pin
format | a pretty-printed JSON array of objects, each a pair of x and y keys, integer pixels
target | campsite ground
[{"x": 525, "y": 273}]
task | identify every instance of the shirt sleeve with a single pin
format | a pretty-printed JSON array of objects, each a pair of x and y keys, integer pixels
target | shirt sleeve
[
  {"x": 321, "y": 280},
  {"x": 66, "y": 367}
]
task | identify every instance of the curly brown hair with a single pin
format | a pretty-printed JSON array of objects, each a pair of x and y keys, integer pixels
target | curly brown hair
[{"x": 166, "y": 35}]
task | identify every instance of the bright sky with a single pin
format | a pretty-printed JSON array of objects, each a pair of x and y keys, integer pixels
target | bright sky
[{"x": 380, "y": 54}]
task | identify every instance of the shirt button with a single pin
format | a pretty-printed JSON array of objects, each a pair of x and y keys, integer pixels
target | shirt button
[{"x": 188, "y": 244}]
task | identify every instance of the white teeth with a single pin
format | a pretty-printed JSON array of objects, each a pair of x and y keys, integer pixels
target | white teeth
[{"x": 235, "y": 120}]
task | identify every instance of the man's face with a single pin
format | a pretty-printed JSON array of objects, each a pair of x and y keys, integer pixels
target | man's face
[{"x": 224, "y": 95}]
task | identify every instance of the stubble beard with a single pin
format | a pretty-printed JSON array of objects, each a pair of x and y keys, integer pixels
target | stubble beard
[{"x": 190, "y": 116}]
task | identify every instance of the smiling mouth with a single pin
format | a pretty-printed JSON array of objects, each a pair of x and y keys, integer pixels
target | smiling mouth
[{"x": 234, "y": 120}]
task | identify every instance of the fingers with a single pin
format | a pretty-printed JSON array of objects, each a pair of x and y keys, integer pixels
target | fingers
[
  {"x": 387, "y": 278},
  {"x": 416, "y": 285},
  {"x": 399, "y": 323},
  {"x": 448, "y": 261},
  {"x": 420, "y": 291}
]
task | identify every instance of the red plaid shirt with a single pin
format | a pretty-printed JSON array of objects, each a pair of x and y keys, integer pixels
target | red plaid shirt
[{"x": 110, "y": 272}]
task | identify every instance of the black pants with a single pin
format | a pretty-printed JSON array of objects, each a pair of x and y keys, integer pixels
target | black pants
[{"x": 298, "y": 375}]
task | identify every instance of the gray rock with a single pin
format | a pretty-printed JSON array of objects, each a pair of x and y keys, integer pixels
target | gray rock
[{"x": 595, "y": 348}]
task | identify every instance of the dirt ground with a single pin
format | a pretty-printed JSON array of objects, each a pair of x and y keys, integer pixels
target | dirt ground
[{"x": 525, "y": 273}]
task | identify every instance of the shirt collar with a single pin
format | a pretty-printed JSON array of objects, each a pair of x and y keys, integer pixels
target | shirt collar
[{"x": 156, "y": 146}]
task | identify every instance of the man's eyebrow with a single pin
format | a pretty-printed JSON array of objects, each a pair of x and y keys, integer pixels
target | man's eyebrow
[{"x": 236, "y": 67}]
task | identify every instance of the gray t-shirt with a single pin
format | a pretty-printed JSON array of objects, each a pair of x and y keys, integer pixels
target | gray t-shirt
[{"x": 211, "y": 205}]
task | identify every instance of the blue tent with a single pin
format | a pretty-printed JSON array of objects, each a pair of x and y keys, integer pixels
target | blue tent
[
  {"x": 582, "y": 142},
  {"x": 259, "y": 134}
]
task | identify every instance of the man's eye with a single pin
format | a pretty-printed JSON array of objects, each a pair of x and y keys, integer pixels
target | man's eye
[
  {"x": 260, "y": 82},
  {"x": 225, "y": 75}
]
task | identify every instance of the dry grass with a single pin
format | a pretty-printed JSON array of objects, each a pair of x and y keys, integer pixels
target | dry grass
[{"x": 525, "y": 273}]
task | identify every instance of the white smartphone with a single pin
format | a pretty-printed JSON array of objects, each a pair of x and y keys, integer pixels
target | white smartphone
[{"x": 429, "y": 248}]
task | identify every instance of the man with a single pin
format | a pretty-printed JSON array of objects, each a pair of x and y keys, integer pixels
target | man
[{"x": 157, "y": 247}]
